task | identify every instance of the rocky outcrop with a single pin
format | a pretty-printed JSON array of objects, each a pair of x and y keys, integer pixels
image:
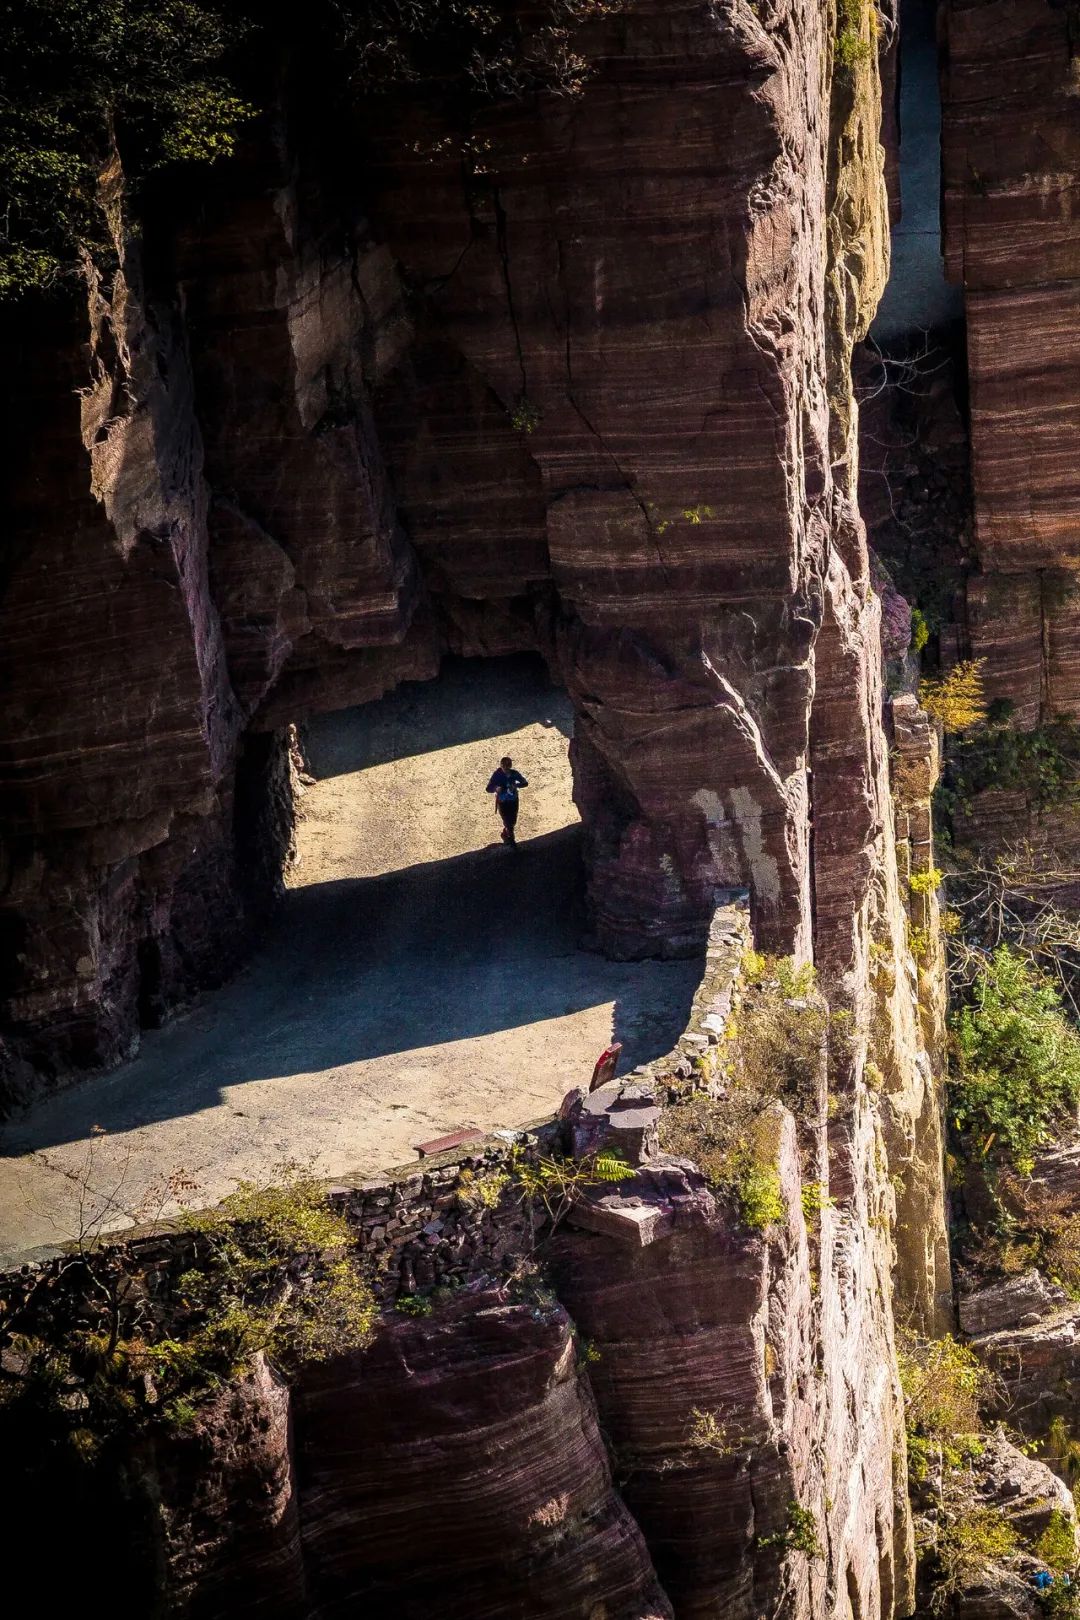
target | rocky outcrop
[
  {"x": 458, "y": 1468},
  {"x": 1039, "y": 1368},
  {"x": 724, "y": 1421},
  {"x": 691, "y": 721},
  {"x": 1012, "y": 238},
  {"x": 1014, "y": 1301},
  {"x": 724, "y": 1460},
  {"x": 569, "y": 404},
  {"x": 228, "y": 1504},
  {"x": 310, "y": 568},
  {"x": 1022, "y": 1500}
]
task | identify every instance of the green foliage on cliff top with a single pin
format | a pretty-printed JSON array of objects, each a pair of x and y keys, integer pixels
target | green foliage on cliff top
[
  {"x": 152, "y": 82},
  {"x": 481, "y": 52},
  {"x": 852, "y": 45},
  {"x": 1015, "y": 1079},
  {"x": 271, "y": 1270},
  {"x": 76, "y": 80},
  {"x": 773, "y": 1052},
  {"x": 731, "y": 1142}
]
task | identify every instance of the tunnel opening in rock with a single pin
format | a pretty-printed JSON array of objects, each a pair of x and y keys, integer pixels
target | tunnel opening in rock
[
  {"x": 417, "y": 978},
  {"x": 403, "y": 780}
]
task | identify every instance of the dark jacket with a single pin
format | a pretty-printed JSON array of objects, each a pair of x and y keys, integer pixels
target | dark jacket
[{"x": 506, "y": 784}]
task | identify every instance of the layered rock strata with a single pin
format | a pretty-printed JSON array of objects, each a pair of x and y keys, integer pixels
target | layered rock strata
[
  {"x": 123, "y": 771},
  {"x": 1011, "y": 147},
  {"x": 1012, "y": 239},
  {"x": 589, "y": 401},
  {"x": 593, "y": 397},
  {"x": 661, "y": 1409},
  {"x": 457, "y": 1467}
]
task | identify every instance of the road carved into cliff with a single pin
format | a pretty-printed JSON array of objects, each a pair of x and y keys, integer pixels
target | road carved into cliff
[{"x": 420, "y": 977}]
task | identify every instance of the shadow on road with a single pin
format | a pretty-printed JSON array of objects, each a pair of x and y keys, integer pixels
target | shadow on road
[
  {"x": 474, "y": 698},
  {"x": 364, "y": 968}
]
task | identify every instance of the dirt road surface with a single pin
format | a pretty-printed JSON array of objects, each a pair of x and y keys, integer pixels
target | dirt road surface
[{"x": 419, "y": 977}]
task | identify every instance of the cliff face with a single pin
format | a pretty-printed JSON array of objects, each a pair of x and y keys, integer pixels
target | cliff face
[
  {"x": 123, "y": 759},
  {"x": 591, "y": 395},
  {"x": 589, "y": 400},
  {"x": 491, "y": 1396},
  {"x": 658, "y": 1407},
  {"x": 1012, "y": 239}
]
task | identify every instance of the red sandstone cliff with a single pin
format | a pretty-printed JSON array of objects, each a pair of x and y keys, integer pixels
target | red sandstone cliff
[
  {"x": 290, "y": 436},
  {"x": 1011, "y": 147},
  {"x": 596, "y": 400}
]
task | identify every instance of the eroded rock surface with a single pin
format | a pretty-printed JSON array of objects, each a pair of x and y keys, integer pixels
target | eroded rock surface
[
  {"x": 597, "y": 402},
  {"x": 458, "y": 1469},
  {"x": 302, "y": 472}
]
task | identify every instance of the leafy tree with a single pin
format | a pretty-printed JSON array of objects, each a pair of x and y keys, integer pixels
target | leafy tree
[
  {"x": 944, "y": 1383},
  {"x": 957, "y": 700},
  {"x": 81, "y": 79},
  {"x": 1043, "y": 764},
  {"x": 1017, "y": 1068}
]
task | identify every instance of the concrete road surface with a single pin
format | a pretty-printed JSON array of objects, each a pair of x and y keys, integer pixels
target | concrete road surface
[{"x": 419, "y": 977}]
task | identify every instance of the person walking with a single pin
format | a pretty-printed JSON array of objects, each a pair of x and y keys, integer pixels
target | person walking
[{"x": 504, "y": 784}]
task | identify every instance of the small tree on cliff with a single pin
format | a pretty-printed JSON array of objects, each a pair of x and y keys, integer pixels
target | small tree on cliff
[
  {"x": 957, "y": 700},
  {"x": 1016, "y": 1072}
]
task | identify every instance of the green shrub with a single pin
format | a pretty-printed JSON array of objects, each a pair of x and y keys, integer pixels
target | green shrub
[
  {"x": 800, "y": 1534},
  {"x": 851, "y": 47},
  {"x": 774, "y": 1047},
  {"x": 1057, "y": 1544},
  {"x": 77, "y": 78},
  {"x": 552, "y": 1184},
  {"x": 413, "y": 1305},
  {"x": 272, "y": 1270},
  {"x": 920, "y": 630},
  {"x": 1016, "y": 1069},
  {"x": 482, "y": 1191},
  {"x": 732, "y": 1143},
  {"x": 708, "y": 1431},
  {"x": 761, "y": 1202},
  {"x": 772, "y": 1051},
  {"x": 815, "y": 1198},
  {"x": 926, "y": 883},
  {"x": 971, "y": 1543},
  {"x": 1043, "y": 764},
  {"x": 1062, "y": 1450},
  {"x": 525, "y": 416},
  {"x": 1061, "y": 1599},
  {"x": 943, "y": 1383}
]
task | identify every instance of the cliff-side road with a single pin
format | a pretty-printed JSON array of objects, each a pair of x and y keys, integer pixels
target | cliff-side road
[{"x": 419, "y": 977}]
